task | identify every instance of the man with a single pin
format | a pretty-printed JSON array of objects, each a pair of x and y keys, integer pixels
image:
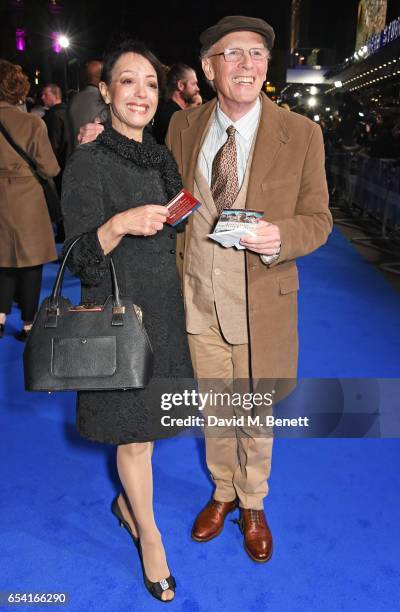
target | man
[
  {"x": 87, "y": 105},
  {"x": 243, "y": 151},
  {"x": 182, "y": 87},
  {"x": 58, "y": 125}
]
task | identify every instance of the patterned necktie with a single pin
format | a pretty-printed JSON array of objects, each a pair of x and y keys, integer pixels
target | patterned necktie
[{"x": 224, "y": 178}]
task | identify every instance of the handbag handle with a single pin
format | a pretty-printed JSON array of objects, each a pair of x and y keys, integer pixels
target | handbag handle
[{"x": 52, "y": 312}]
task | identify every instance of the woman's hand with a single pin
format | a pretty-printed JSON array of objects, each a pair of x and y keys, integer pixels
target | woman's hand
[{"x": 144, "y": 220}]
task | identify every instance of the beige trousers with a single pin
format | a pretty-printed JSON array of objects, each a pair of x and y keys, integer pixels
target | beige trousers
[{"x": 239, "y": 464}]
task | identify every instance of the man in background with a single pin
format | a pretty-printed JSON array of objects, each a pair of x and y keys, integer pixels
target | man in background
[
  {"x": 58, "y": 125},
  {"x": 182, "y": 87},
  {"x": 87, "y": 105}
]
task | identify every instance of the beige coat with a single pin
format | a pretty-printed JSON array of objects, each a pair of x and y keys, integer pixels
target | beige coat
[
  {"x": 26, "y": 234},
  {"x": 287, "y": 181}
]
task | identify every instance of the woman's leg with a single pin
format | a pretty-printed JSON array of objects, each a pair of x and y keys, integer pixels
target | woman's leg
[
  {"x": 136, "y": 475},
  {"x": 7, "y": 288},
  {"x": 29, "y": 284}
]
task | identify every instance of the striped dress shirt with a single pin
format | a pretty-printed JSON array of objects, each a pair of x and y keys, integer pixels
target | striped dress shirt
[{"x": 246, "y": 129}]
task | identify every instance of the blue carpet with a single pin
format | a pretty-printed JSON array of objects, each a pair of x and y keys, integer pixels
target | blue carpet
[{"x": 333, "y": 507}]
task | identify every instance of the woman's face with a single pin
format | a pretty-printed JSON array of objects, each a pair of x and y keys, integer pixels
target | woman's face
[{"x": 132, "y": 94}]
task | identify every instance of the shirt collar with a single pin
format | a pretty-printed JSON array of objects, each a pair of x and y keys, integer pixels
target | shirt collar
[{"x": 245, "y": 126}]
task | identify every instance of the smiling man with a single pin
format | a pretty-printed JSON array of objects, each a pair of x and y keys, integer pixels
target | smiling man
[{"x": 242, "y": 151}]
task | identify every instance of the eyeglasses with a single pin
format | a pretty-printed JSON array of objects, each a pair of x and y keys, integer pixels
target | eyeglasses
[{"x": 258, "y": 54}]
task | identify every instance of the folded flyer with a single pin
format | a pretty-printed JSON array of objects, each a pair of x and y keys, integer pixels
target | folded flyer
[{"x": 233, "y": 224}]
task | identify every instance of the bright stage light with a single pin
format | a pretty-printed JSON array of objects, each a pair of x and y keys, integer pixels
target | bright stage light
[{"x": 63, "y": 41}]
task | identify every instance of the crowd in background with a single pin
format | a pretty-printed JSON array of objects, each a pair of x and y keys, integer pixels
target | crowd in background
[
  {"x": 350, "y": 126},
  {"x": 353, "y": 125}
]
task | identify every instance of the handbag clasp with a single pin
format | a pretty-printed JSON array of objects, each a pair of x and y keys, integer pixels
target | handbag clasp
[
  {"x": 118, "y": 309},
  {"x": 51, "y": 316},
  {"x": 117, "y": 318}
]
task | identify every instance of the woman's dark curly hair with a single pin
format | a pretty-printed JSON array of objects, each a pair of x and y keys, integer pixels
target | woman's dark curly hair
[
  {"x": 113, "y": 54},
  {"x": 14, "y": 84}
]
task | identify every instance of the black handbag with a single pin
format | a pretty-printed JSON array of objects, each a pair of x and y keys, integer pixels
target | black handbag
[
  {"x": 49, "y": 188},
  {"x": 87, "y": 347}
]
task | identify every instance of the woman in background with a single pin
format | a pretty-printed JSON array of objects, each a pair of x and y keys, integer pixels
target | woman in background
[{"x": 26, "y": 233}]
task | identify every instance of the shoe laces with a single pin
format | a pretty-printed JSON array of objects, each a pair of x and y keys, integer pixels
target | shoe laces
[
  {"x": 217, "y": 504},
  {"x": 255, "y": 516}
]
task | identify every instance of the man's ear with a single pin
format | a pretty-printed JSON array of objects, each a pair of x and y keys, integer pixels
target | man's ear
[
  {"x": 207, "y": 69},
  {"x": 104, "y": 92}
]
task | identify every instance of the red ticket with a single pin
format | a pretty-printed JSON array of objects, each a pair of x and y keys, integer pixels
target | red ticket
[{"x": 181, "y": 206}]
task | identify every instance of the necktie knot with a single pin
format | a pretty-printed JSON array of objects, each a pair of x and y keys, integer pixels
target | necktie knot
[{"x": 230, "y": 131}]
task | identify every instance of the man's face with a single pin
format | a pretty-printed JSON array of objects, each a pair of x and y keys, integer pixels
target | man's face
[
  {"x": 237, "y": 83},
  {"x": 48, "y": 98},
  {"x": 189, "y": 87}
]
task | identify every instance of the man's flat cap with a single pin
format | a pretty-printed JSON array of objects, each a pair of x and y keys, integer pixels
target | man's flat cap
[{"x": 236, "y": 23}]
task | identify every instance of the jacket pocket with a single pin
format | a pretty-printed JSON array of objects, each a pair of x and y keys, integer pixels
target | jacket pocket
[{"x": 287, "y": 284}]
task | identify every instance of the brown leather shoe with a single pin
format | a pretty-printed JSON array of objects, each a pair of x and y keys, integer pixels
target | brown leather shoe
[
  {"x": 210, "y": 521},
  {"x": 257, "y": 539}
]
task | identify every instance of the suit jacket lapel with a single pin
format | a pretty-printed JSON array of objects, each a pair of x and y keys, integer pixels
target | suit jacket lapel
[
  {"x": 192, "y": 138},
  {"x": 271, "y": 136}
]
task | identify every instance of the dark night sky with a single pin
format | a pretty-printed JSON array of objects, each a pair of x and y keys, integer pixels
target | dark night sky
[{"x": 172, "y": 28}]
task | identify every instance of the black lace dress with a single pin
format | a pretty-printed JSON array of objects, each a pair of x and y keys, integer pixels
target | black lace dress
[{"x": 102, "y": 178}]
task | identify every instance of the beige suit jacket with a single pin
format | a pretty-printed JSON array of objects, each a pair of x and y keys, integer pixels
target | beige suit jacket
[{"x": 287, "y": 181}]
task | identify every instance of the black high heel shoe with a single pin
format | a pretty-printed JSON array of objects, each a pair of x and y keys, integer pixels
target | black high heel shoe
[
  {"x": 157, "y": 588},
  {"x": 116, "y": 510}
]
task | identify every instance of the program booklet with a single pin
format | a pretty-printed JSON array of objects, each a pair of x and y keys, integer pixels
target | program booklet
[{"x": 233, "y": 224}]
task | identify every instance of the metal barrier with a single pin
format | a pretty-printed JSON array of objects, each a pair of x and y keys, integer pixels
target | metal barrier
[{"x": 370, "y": 190}]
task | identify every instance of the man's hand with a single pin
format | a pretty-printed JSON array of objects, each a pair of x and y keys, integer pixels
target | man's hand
[
  {"x": 90, "y": 131},
  {"x": 267, "y": 239}
]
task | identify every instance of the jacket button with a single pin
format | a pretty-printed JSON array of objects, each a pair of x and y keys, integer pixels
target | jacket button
[
  {"x": 217, "y": 271},
  {"x": 172, "y": 236},
  {"x": 181, "y": 254},
  {"x": 172, "y": 251}
]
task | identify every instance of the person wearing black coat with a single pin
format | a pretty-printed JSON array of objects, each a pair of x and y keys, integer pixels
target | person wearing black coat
[
  {"x": 182, "y": 87},
  {"x": 58, "y": 126},
  {"x": 114, "y": 191}
]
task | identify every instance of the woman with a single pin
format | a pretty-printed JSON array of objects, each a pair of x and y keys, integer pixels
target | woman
[
  {"x": 113, "y": 191},
  {"x": 26, "y": 234}
]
